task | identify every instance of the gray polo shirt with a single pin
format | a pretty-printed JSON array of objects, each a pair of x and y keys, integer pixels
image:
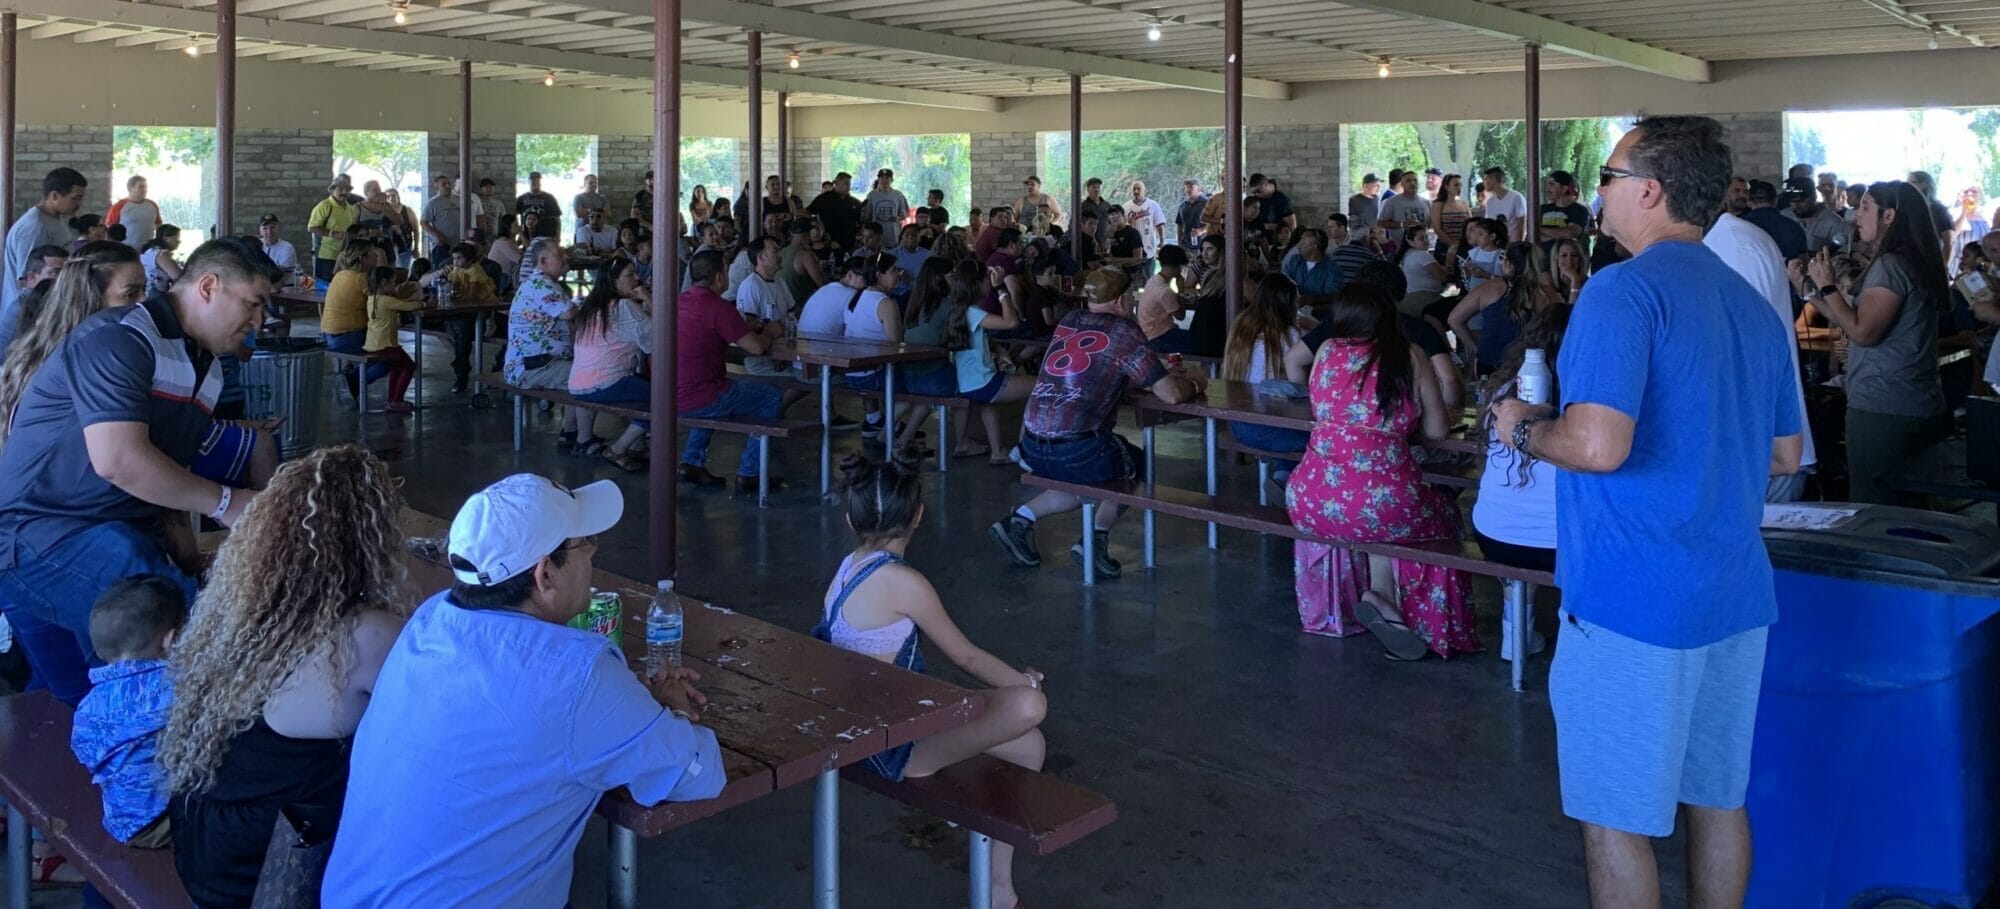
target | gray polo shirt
[
  {"x": 30, "y": 230},
  {"x": 131, "y": 364},
  {"x": 445, "y": 212},
  {"x": 589, "y": 202}
]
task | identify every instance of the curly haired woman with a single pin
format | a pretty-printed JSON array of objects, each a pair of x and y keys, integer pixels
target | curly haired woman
[{"x": 274, "y": 670}]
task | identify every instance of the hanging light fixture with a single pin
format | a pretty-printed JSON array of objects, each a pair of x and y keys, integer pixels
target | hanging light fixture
[
  {"x": 193, "y": 49},
  {"x": 793, "y": 60},
  {"x": 1153, "y": 30},
  {"x": 1382, "y": 69},
  {"x": 1933, "y": 43},
  {"x": 401, "y": 8},
  {"x": 549, "y": 79}
]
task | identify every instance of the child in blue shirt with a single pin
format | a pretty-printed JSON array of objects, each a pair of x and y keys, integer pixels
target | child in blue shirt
[{"x": 118, "y": 723}]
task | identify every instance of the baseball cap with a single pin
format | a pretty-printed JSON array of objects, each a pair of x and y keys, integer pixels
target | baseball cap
[
  {"x": 1762, "y": 191},
  {"x": 1801, "y": 185},
  {"x": 511, "y": 526},
  {"x": 1562, "y": 178},
  {"x": 1371, "y": 178},
  {"x": 1106, "y": 284},
  {"x": 1433, "y": 172},
  {"x": 268, "y": 218},
  {"x": 534, "y": 175},
  {"x": 885, "y": 172}
]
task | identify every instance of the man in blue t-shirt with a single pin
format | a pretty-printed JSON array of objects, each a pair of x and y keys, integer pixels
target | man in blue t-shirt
[{"x": 1677, "y": 406}]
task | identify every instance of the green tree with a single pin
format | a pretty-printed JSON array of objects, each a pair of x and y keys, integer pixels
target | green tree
[
  {"x": 394, "y": 154},
  {"x": 1161, "y": 158},
  {"x": 922, "y": 163},
  {"x": 550, "y": 153},
  {"x": 1805, "y": 146},
  {"x": 1378, "y": 148},
  {"x": 709, "y": 163},
  {"x": 179, "y": 163},
  {"x": 139, "y": 147},
  {"x": 1985, "y": 124}
]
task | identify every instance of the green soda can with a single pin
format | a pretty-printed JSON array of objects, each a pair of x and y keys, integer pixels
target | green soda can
[{"x": 604, "y": 616}]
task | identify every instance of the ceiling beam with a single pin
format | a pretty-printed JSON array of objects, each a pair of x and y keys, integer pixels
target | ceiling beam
[
  {"x": 123, "y": 12},
  {"x": 1501, "y": 22},
  {"x": 813, "y": 26}
]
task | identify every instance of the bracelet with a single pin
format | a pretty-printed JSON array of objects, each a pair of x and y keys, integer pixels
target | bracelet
[
  {"x": 222, "y": 508},
  {"x": 680, "y": 714},
  {"x": 1828, "y": 290},
  {"x": 1521, "y": 433}
]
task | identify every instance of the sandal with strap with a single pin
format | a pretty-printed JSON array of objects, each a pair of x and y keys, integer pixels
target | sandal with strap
[
  {"x": 624, "y": 462},
  {"x": 592, "y": 448},
  {"x": 1396, "y": 638}
]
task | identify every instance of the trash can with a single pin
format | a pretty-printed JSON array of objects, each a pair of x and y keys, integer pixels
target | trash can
[
  {"x": 284, "y": 379},
  {"x": 1875, "y": 767}
]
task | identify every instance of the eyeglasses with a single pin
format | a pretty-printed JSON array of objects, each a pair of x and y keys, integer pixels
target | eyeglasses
[{"x": 1607, "y": 174}]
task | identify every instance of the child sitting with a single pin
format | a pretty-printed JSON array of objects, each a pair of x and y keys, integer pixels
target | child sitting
[
  {"x": 386, "y": 304},
  {"x": 118, "y": 723}
]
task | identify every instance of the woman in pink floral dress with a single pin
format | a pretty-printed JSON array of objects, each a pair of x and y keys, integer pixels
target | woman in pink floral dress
[{"x": 1360, "y": 482}]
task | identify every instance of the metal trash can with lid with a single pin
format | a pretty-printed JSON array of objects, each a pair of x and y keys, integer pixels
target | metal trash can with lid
[
  {"x": 1876, "y": 759},
  {"x": 284, "y": 378}
]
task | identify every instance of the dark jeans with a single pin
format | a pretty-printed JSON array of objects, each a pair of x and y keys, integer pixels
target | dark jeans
[
  {"x": 1176, "y": 340},
  {"x": 47, "y": 597},
  {"x": 627, "y": 390},
  {"x": 353, "y": 342},
  {"x": 1272, "y": 438},
  {"x": 461, "y": 329},
  {"x": 323, "y": 269},
  {"x": 740, "y": 399},
  {"x": 1099, "y": 457},
  {"x": 1878, "y": 443}
]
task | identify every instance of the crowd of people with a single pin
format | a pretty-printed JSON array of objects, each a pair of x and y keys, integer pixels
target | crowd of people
[{"x": 286, "y": 682}]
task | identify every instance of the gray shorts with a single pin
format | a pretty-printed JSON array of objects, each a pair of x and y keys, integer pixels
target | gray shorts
[
  {"x": 1642, "y": 729},
  {"x": 765, "y": 366},
  {"x": 553, "y": 374}
]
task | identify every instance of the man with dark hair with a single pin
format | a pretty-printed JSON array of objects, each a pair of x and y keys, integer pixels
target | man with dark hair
[
  {"x": 642, "y": 203},
  {"x": 1274, "y": 209},
  {"x": 1317, "y": 278},
  {"x": 1351, "y": 246},
  {"x": 1187, "y": 218},
  {"x": 543, "y": 204},
  {"x": 886, "y": 206},
  {"x": 1822, "y": 226},
  {"x": 1365, "y": 207},
  {"x": 1007, "y": 250},
  {"x": 1562, "y": 217},
  {"x": 1395, "y": 184},
  {"x": 1128, "y": 247},
  {"x": 1094, "y": 203},
  {"x": 1791, "y": 238},
  {"x": 1505, "y": 205},
  {"x": 114, "y": 442},
  {"x": 490, "y": 207},
  {"x": 444, "y": 218},
  {"x": 1735, "y": 199},
  {"x": 839, "y": 213},
  {"x": 46, "y": 224},
  {"x": 999, "y": 220},
  {"x": 1677, "y": 406},
  {"x": 708, "y": 326},
  {"x": 44, "y": 263},
  {"x": 940, "y": 217},
  {"x": 527, "y": 767}
]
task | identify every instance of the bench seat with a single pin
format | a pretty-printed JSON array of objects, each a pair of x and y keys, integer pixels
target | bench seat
[{"x": 1439, "y": 478}]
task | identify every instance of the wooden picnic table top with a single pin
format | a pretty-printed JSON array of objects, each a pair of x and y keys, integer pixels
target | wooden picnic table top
[
  {"x": 784, "y": 706},
  {"x": 851, "y": 353},
  {"x": 300, "y": 295}
]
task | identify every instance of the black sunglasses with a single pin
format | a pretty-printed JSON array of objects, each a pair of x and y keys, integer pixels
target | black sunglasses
[{"x": 1607, "y": 174}]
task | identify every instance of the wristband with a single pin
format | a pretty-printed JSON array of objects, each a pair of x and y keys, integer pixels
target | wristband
[
  {"x": 221, "y": 508},
  {"x": 1828, "y": 290},
  {"x": 680, "y": 714},
  {"x": 1521, "y": 433}
]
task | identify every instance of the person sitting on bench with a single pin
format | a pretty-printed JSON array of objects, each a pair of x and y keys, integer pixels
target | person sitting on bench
[
  {"x": 614, "y": 333},
  {"x": 879, "y": 605},
  {"x": 1067, "y": 430},
  {"x": 118, "y": 723},
  {"x": 495, "y": 728},
  {"x": 1265, "y": 330},
  {"x": 1514, "y": 518},
  {"x": 708, "y": 327},
  {"x": 539, "y": 346}
]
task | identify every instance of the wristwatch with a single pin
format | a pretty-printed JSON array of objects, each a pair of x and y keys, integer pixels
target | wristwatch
[{"x": 1828, "y": 290}]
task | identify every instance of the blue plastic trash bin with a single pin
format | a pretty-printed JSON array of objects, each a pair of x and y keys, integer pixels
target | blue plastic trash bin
[{"x": 1875, "y": 764}]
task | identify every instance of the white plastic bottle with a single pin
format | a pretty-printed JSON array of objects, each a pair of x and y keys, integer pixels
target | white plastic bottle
[
  {"x": 663, "y": 630},
  {"x": 1533, "y": 384}
]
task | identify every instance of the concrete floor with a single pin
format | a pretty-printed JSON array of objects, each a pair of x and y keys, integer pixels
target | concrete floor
[{"x": 1253, "y": 765}]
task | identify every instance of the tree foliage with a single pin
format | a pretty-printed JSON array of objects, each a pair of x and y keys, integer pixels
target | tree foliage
[
  {"x": 1577, "y": 146},
  {"x": 1805, "y": 146},
  {"x": 140, "y": 147},
  {"x": 1985, "y": 126},
  {"x": 922, "y": 163},
  {"x": 1162, "y": 158},
  {"x": 711, "y": 164},
  {"x": 551, "y": 153},
  {"x": 394, "y": 154}
]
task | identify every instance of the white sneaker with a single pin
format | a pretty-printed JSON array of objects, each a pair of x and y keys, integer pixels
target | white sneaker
[{"x": 1014, "y": 454}]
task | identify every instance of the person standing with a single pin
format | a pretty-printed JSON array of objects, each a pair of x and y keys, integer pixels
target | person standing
[
  {"x": 444, "y": 220},
  {"x": 137, "y": 213},
  {"x": 589, "y": 200},
  {"x": 1751, "y": 253},
  {"x": 1187, "y": 218},
  {"x": 1094, "y": 204},
  {"x": 328, "y": 225},
  {"x": 886, "y": 205},
  {"x": 46, "y": 224},
  {"x": 1504, "y": 204},
  {"x": 1146, "y": 216},
  {"x": 1365, "y": 207},
  {"x": 1677, "y": 406},
  {"x": 838, "y": 212},
  {"x": 1563, "y": 218},
  {"x": 544, "y": 205}
]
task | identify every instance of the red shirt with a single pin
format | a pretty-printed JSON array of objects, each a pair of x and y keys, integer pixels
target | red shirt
[
  {"x": 708, "y": 325},
  {"x": 984, "y": 244},
  {"x": 1004, "y": 262}
]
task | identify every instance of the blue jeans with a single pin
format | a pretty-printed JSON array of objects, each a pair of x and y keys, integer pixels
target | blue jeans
[
  {"x": 1271, "y": 438},
  {"x": 740, "y": 399},
  {"x": 354, "y": 342},
  {"x": 627, "y": 390},
  {"x": 47, "y": 597},
  {"x": 1100, "y": 457},
  {"x": 1176, "y": 340}
]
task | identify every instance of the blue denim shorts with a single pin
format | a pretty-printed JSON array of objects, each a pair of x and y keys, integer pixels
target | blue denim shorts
[
  {"x": 1100, "y": 457},
  {"x": 1642, "y": 729},
  {"x": 986, "y": 393},
  {"x": 935, "y": 381}
]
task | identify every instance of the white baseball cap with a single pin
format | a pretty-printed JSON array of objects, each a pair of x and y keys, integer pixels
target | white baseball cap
[{"x": 511, "y": 526}]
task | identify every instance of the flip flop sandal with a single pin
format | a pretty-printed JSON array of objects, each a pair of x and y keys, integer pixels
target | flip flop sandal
[
  {"x": 624, "y": 462},
  {"x": 1396, "y": 638},
  {"x": 595, "y": 448}
]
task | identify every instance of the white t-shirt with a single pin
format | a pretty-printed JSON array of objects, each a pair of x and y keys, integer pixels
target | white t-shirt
[
  {"x": 283, "y": 255},
  {"x": 1260, "y": 367},
  {"x": 1418, "y": 275},
  {"x": 825, "y": 314},
  {"x": 1510, "y": 210},
  {"x": 769, "y": 300},
  {"x": 1524, "y": 515},
  {"x": 1488, "y": 261},
  {"x": 864, "y": 321},
  {"x": 739, "y": 268},
  {"x": 1751, "y": 252}
]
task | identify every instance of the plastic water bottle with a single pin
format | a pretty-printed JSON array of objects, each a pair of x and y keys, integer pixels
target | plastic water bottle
[
  {"x": 663, "y": 630},
  {"x": 1534, "y": 379}
]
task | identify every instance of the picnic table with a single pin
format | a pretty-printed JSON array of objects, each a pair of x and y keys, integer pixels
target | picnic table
[
  {"x": 306, "y": 297},
  {"x": 786, "y": 708},
  {"x": 851, "y": 354}
]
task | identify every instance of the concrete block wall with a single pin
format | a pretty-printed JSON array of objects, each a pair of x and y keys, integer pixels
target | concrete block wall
[
  {"x": 283, "y": 172},
  {"x": 622, "y": 162},
  {"x": 1305, "y": 159},
  {"x": 40, "y": 149},
  {"x": 1000, "y": 161},
  {"x": 493, "y": 159},
  {"x": 806, "y": 163},
  {"x": 1757, "y": 144}
]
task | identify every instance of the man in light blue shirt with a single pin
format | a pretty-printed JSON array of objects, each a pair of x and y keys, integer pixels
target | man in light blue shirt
[
  {"x": 495, "y": 728},
  {"x": 910, "y": 257}
]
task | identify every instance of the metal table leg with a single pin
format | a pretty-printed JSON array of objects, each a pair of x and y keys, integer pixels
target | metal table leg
[
  {"x": 478, "y": 351},
  {"x": 826, "y": 841},
  {"x": 978, "y": 871},
  {"x": 1208, "y": 451},
  {"x": 763, "y": 444},
  {"x": 1089, "y": 543},
  {"x": 944, "y": 439},
  {"x": 825, "y": 432},
  {"x": 888, "y": 411},
  {"x": 418, "y": 380},
  {"x": 622, "y": 858},
  {"x": 520, "y": 417},
  {"x": 20, "y": 839},
  {"x": 1518, "y": 611},
  {"x": 1148, "y": 433}
]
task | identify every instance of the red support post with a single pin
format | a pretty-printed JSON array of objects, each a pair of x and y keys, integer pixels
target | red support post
[
  {"x": 1232, "y": 156},
  {"x": 1532, "y": 76},
  {"x": 754, "y": 209},
  {"x": 1075, "y": 166},
  {"x": 225, "y": 117},
  {"x": 784, "y": 145},
  {"x": 466, "y": 191},
  {"x": 10, "y": 28},
  {"x": 662, "y": 497}
]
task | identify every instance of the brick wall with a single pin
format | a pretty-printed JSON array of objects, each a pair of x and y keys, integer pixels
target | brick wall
[
  {"x": 622, "y": 162},
  {"x": 40, "y": 149},
  {"x": 1305, "y": 159},
  {"x": 492, "y": 159},
  {"x": 807, "y": 163},
  {"x": 283, "y": 172},
  {"x": 1757, "y": 144},
  {"x": 1000, "y": 161}
]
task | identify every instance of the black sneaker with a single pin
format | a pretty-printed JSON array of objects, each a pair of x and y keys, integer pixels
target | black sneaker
[
  {"x": 1016, "y": 535},
  {"x": 1106, "y": 566},
  {"x": 459, "y": 387}
]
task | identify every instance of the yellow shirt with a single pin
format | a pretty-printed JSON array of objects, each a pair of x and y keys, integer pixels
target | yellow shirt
[
  {"x": 336, "y": 217},
  {"x": 346, "y": 306},
  {"x": 472, "y": 285},
  {"x": 383, "y": 323}
]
